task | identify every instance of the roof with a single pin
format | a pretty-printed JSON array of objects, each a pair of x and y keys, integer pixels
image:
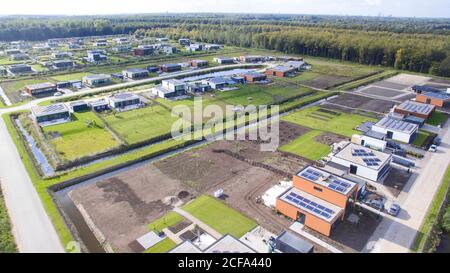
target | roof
[
  {"x": 295, "y": 63},
  {"x": 425, "y": 88},
  {"x": 282, "y": 69},
  {"x": 163, "y": 90},
  {"x": 136, "y": 70},
  {"x": 397, "y": 125},
  {"x": 123, "y": 97},
  {"x": 229, "y": 244},
  {"x": 78, "y": 103},
  {"x": 311, "y": 204},
  {"x": 49, "y": 110},
  {"x": 97, "y": 77},
  {"x": 217, "y": 80},
  {"x": 171, "y": 65},
  {"x": 327, "y": 180},
  {"x": 199, "y": 61},
  {"x": 174, "y": 81},
  {"x": 416, "y": 107},
  {"x": 374, "y": 134},
  {"x": 254, "y": 74},
  {"x": 437, "y": 95},
  {"x": 288, "y": 242},
  {"x": 363, "y": 156},
  {"x": 40, "y": 85},
  {"x": 18, "y": 65},
  {"x": 97, "y": 103},
  {"x": 186, "y": 247}
]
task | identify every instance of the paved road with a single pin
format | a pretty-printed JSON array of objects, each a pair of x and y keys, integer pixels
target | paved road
[
  {"x": 396, "y": 235},
  {"x": 32, "y": 227}
]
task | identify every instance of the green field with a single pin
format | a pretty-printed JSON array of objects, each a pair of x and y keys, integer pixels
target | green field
[
  {"x": 170, "y": 219},
  {"x": 437, "y": 119},
  {"x": 71, "y": 77},
  {"x": 219, "y": 216},
  {"x": 7, "y": 61},
  {"x": 7, "y": 243},
  {"x": 336, "y": 68},
  {"x": 420, "y": 138},
  {"x": 162, "y": 247},
  {"x": 77, "y": 139},
  {"x": 141, "y": 124},
  {"x": 341, "y": 123},
  {"x": 306, "y": 146}
]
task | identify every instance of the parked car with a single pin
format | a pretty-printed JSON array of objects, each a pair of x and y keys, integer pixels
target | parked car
[
  {"x": 393, "y": 209},
  {"x": 58, "y": 94},
  {"x": 433, "y": 148},
  {"x": 375, "y": 203}
]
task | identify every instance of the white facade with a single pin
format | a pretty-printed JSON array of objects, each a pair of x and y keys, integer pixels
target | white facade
[
  {"x": 173, "y": 85},
  {"x": 373, "y": 143}
]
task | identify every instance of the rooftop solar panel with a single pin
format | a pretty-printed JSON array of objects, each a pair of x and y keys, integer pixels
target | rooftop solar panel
[{"x": 310, "y": 205}]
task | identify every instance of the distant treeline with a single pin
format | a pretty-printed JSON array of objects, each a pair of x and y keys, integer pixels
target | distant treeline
[{"x": 421, "y": 45}]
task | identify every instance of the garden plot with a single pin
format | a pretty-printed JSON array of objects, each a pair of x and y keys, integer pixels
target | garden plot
[
  {"x": 354, "y": 101},
  {"x": 381, "y": 92}
]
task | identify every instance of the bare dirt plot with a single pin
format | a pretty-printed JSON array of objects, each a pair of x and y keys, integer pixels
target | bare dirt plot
[
  {"x": 363, "y": 103},
  {"x": 382, "y": 92},
  {"x": 442, "y": 81},
  {"x": 408, "y": 96},
  {"x": 396, "y": 180},
  {"x": 122, "y": 206},
  {"x": 408, "y": 79},
  {"x": 391, "y": 85},
  {"x": 326, "y": 81}
]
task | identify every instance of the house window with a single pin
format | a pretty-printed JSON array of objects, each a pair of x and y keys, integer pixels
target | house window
[{"x": 318, "y": 189}]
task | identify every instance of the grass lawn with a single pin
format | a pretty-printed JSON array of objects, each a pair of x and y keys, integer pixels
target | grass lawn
[
  {"x": 342, "y": 124},
  {"x": 7, "y": 243},
  {"x": 219, "y": 216},
  {"x": 77, "y": 140},
  {"x": 38, "y": 67},
  {"x": 141, "y": 124},
  {"x": 420, "y": 138},
  {"x": 306, "y": 146},
  {"x": 432, "y": 215},
  {"x": 7, "y": 61},
  {"x": 437, "y": 118},
  {"x": 71, "y": 77},
  {"x": 162, "y": 247},
  {"x": 170, "y": 219},
  {"x": 333, "y": 67}
]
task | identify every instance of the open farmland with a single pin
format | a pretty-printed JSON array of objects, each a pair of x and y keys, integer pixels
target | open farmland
[
  {"x": 326, "y": 120},
  {"x": 141, "y": 124},
  {"x": 85, "y": 135}
]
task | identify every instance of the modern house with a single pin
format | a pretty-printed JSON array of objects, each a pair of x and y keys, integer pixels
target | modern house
[
  {"x": 223, "y": 60},
  {"x": 371, "y": 139},
  {"x": 194, "y": 47},
  {"x": 199, "y": 88},
  {"x": 19, "y": 57},
  {"x": 254, "y": 77},
  {"x": 218, "y": 82},
  {"x": 61, "y": 55},
  {"x": 280, "y": 71},
  {"x": 170, "y": 88},
  {"x": 51, "y": 114},
  {"x": 433, "y": 96},
  {"x": 184, "y": 41},
  {"x": 417, "y": 109},
  {"x": 99, "y": 105},
  {"x": 17, "y": 69},
  {"x": 135, "y": 73},
  {"x": 198, "y": 63},
  {"x": 212, "y": 47},
  {"x": 97, "y": 80},
  {"x": 143, "y": 51},
  {"x": 229, "y": 244},
  {"x": 96, "y": 56},
  {"x": 169, "y": 50},
  {"x": 396, "y": 129},
  {"x": 124, "y": 101},
  {"x": 63, "y": 64},
  {"x": 318, "y": 199},
  {"x": 79, "y": 106},
  {"x": 364, "y": 162},
  {"x": 121, "y": 40},
  {"x": 297, "y": 65},
  {"x": 41, "y": 89},
  {"x": 9, "y": 52},
  {"x": 170, "y": 67},
  {"x": 252, "y": 59},
  {"x": 122, "y": 48},
  {"x": 288, "y": 242}
]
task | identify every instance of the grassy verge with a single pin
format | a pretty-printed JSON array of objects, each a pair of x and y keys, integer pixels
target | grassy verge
[
  {"x": 420, "y": 138},
  {"x": 7, "y": 243},
  {"x": 306, "y": 146},
  {"x": 437, "y": 118},
  {"x": 162, "y": 247},
  {"x": 170, "y": 219},
  {"x": 219, "y": 216},
  {"x": 365, "y": 81},
  {"x": 421, "y": 242}
]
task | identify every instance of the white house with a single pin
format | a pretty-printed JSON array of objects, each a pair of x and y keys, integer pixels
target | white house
[
  {"x": 363, "y": 162},
  {"x": 396, "y": 129},
  {"x": 170, "y": 88}
]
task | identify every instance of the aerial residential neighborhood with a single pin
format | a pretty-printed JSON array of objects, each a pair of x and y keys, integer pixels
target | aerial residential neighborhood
[{"x": 225, "y": 133}]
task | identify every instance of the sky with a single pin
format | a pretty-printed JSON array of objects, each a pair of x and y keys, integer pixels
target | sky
[{"x": 401, "y": 8}]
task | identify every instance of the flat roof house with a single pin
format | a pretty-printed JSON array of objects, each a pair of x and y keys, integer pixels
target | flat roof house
[
  {"x": 63, "y": 64},
  {"x": 95, "y": 56},
  {"x": 99, "y": 105},
  {"x": 417, "y": 109},
  {"x": 143, "y": 51},
  {"x": 298, "y": 65},
  {"x": 124, "y": 101},
  {"x": 396, "y": 129},
  {"x": 439, "y": 99},
  {"x": 364, "y": 162},
  {"x": 280, "y": 71},
  {"x": 97, "y": 80},
  {"x": 170, "y": 67},
  {"x": 288, "y": 242},
  {"x": 223, "y": 60},
  {"x": 184, "y": 41},
  {"x": 61, "y": 55},
  {"x": 229, "y": 244},
  {"x": 255, "y": 77},
  {"x": 19, "y": 57},
  {"x": 217, "y": 82},
  {"x": 198, "y": 63},
  {"x": 135, "y": 73},
  {"x": 195, "y": 47},
  {"x": 212, "y": 47},
  {"x": 79, "y": 106},
  {"x": 41, "y": 89},
  {"x": 317, "y": 199},
  {"x": 170, "y": 88},
  {"x": 251, "y": 59},
  {"x": 16, "y": 69},
  {"x": 51, "y": 114}
]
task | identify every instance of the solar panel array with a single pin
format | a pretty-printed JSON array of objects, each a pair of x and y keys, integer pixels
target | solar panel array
[
  {"x": 395, "y": 124},
  {"x": 310, "y": 206},
  {"x": 362, "y": 152},
  {"x": 333, "y": 184},
  {"x": 416, "y": 107},
  {"x": 372, "y": 161}
]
